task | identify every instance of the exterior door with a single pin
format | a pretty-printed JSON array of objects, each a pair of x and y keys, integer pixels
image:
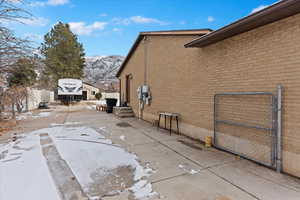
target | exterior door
[
  {"x": 84, "y": 95},
  {"x": 128, "y": 89}
]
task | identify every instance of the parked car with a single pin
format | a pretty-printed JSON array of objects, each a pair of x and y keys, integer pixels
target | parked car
[{"x": 43, "y": 105}]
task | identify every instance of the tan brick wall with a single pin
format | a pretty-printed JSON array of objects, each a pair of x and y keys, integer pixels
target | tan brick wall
[
  {"x": 259, "y": 60},
  {"x": 135, "y": 66},
  {"x": 185, "y": 80}
]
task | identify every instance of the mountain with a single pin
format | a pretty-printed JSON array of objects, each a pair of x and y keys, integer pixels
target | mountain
[{"x": 101, "y": 71}]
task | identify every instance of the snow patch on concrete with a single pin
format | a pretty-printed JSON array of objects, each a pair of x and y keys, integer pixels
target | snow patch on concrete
[
  {"x": 23, "y": 116},
  {"x": 24, "y": 169},
  {"x": 92, "y": 107},
  {"x": 65, "y": 124},
  {"x": 88, "y": 152},
  {"x": 24, "y": 172},
  {"x": 41, "y": 115},
  {"x": 122, "y": 137},
  {"x": 142, "y": 190},
  {"x": 186, "y": 168}
]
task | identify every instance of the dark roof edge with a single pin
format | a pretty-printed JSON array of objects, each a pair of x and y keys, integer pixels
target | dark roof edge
[
  {"x": 177, "y": 30},
  {"x": 275, "y": 12},
  {"x": 142, "y": 34},
  {"x": 90, "y": 84}
]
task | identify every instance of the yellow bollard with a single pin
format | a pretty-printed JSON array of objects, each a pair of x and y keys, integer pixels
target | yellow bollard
[{"x": 208, "y": 141}]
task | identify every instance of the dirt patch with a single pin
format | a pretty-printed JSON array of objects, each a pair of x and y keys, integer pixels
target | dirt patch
[
  {"x": 111, "y": 182},
  {"x": 123, "y": 124},
  {"x": 7, "y": 125}
]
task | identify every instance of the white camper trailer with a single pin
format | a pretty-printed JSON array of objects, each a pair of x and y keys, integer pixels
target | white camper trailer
[{"x": 69, "y": 90}]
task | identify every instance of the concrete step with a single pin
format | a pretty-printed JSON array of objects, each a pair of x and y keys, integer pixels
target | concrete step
[
  {"x": 123, "y": 108},
  {"x": 123, "y": 111}
]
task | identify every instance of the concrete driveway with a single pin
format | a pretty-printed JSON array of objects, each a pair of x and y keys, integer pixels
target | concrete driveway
[{"x": 71, "y": 146}]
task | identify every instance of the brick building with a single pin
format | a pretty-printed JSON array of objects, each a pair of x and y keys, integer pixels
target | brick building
[
  {"x": 250, "y": 56},
  {"x": 89, "y": 91}
]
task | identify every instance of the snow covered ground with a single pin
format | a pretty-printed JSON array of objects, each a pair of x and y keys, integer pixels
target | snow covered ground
[
  {"x": 26, "y": 115},
  {"x": 93, "y": 159},
  {"x": 24, "y": 173}
]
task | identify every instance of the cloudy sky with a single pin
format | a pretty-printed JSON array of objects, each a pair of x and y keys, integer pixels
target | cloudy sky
[{"x": 109, "y": 27}]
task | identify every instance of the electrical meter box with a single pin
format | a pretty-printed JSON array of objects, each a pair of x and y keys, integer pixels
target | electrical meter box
[
  {"x": 145, "y": 89},
  {"x": 139, "y": 93}
]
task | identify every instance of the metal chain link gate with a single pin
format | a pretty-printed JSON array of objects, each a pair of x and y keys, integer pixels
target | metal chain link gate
[{"x": 245, "y": 124}]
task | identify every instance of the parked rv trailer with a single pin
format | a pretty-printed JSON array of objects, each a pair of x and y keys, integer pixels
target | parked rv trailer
[{"x": 69, "y": 90}]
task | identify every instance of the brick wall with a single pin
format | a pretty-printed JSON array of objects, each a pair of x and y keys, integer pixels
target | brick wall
[
  {"x": 259, "y": 60},
  {"x": 185, "y": 80}
]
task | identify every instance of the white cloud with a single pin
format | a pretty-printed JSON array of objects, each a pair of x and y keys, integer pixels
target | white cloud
[
  {"x": 117, "y": 29},
  {"x": 182, "y": 22},
  {"x": 14, "y": 1},
  {"x": 145, "y": 20},
  {"x": 57, "y": 2},
  {"x": 124, "y": 21},
  {"x": 38, "y": 21},
  {"x": 34, "y": 37},
  {"x": 258, "y": 8},
  {"x": 49, "y": 3},
  {"x": 37, "y": 4},
  {"x": 210, "y": 19},
  {"x": 103, "y": 15},
  {"x": 81, "y": 28},
  {"x": 138, "y": 20}
]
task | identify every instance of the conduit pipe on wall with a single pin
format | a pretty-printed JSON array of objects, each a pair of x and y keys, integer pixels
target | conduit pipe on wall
[
  {"x": 141, "y": 102},
  {"x": 145, "y": 41},
  {"x": 279, "y": 129}
]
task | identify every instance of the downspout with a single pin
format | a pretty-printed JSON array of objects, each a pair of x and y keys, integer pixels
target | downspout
[
  {"x": 279, "y": 129},
  {"x": 145, "y": 59},
  {"x": 120, "y": 91},
  {"x": 141, "y": 102}
]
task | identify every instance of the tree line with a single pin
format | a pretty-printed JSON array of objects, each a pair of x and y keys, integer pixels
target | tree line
[{"x": 60, "y": 55}]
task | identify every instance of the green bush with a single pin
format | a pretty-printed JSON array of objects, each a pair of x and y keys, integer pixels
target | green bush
[{"x": 98, "y": 96}]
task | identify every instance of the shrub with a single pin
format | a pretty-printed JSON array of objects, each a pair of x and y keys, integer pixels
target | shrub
[{"x": 98, "y": 96}]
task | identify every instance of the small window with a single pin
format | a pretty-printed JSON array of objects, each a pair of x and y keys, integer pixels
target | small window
[{"x": 93, "y": 92}]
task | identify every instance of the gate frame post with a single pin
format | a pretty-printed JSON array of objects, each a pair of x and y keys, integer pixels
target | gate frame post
[{"x": 279, "y": 130}]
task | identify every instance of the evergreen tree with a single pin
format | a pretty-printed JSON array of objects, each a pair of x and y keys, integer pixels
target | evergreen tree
[
  {"x": 64, "y": 55},
  {"x": 22, "y": 73}
]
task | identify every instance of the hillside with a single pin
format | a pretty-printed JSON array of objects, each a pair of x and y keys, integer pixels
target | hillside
[{"x": 101, "y": 70}]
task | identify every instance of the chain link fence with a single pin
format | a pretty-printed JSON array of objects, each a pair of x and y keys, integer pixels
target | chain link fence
[{"x": 245, "y": 124}]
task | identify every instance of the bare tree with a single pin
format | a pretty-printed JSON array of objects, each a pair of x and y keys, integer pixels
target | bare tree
[
  {"x": 11, "y": 49},
  {"x": 10, "y": 10}
]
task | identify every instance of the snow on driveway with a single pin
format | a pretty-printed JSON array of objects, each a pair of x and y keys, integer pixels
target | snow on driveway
[
  {"x": 91, "y": 157},
  {"x": 42, "y": 114},
  {"x": 24, "y": 173},
  {"x": 102, "y": 168},
  {"x": 26, "y": 115}
]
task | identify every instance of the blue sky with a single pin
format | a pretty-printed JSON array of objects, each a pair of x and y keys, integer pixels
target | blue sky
[{"x": 109, "y": 27}]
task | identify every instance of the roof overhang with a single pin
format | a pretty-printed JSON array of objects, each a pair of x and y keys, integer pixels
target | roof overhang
[
  {"x": 86, "y": 83},
  {"x": 196, "y": 32},
  {"x": 277, "y": 11}
]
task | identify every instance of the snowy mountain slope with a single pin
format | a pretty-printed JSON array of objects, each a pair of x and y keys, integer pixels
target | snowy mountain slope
[{"x": 101, "y": 69}]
